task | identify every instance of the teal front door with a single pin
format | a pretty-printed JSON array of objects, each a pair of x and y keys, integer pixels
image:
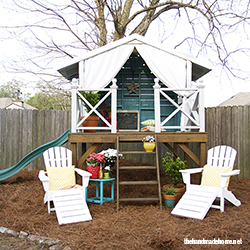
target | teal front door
[{"x": 135, "y": 91}]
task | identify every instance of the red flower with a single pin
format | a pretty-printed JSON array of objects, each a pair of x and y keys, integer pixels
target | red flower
[{"x": 95, "y": 159}]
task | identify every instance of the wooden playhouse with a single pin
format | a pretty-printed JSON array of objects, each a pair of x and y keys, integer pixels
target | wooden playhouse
[{"x": 141, "y": 81}]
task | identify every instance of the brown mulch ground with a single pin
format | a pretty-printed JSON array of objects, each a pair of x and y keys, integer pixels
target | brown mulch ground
[{"x": 135, "y": 226}]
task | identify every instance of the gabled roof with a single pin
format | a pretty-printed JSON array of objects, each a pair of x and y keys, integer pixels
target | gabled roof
[
  {"x": 10, "y": 103},
  {"x": 241, "y": 99},
  {"x": 71, "y": 70}
]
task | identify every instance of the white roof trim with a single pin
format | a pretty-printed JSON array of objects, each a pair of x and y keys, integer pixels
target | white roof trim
[{"x": 132, "y": 39}]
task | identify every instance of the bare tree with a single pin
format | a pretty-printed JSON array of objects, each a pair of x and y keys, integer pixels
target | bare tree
[
  {"x": 50, "y": 96},
  {"x": 67, "y": 27}
]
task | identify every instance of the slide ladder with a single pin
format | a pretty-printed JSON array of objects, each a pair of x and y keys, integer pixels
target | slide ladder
[{"x": 140, "y": 168}]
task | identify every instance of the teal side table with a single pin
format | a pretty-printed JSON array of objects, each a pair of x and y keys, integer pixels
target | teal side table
[{"x": 99, "y": 195}]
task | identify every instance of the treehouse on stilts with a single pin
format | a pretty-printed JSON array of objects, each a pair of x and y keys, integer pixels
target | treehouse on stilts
[{"x": 141, "y": 81}]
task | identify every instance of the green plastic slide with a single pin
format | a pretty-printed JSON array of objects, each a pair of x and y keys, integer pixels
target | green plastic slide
[{"x": 8, "y": 172}]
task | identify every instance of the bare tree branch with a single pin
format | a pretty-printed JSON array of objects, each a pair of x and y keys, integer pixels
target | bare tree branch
[{"x": 86, "y": 24}]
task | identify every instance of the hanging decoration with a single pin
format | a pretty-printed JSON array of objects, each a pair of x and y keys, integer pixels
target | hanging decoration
[{"x": 133, "y": 88}]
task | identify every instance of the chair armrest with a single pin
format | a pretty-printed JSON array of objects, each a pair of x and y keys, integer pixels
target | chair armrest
[
  {"x": 42, "y": 176},
  {"x": 192, "y": 170},
  {"x": 44, "y": 179},
  {"x": 85, "y": 176},
  {"x": 187, "y": 172},
  {"x": 231, "y": 173},
  {"x": 82, "y": 172},
  {"x": 224, "y": 177}
]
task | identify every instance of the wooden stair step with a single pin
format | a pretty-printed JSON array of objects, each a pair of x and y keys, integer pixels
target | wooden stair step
[
  {"x": 140, "y": 199},
  {"x": 137, "y": 182},
  {"x": 152, "y": 167},
  {"x": 138, "y": 167}
]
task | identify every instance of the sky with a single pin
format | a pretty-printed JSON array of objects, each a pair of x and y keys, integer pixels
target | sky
[{"x": 218, "y": 86}]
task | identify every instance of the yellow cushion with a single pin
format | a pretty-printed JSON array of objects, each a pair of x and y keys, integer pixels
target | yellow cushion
[
  {"x": 61, "y": 177},
  {"x": 211, "y": 176}
]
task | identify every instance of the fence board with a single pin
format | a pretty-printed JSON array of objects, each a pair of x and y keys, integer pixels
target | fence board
[
  {"x": 230, "y": 126},
  {"x": 21, "y": 131}
]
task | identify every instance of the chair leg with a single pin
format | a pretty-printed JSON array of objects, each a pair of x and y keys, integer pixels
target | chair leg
[
  {"x": 231, "y": 197},
  {"x": 222, "y": 202},
  {"x": 48, "y": 204}
]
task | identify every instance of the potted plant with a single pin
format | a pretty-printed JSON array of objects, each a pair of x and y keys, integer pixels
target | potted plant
[
  {"x": 110, "y": 156},
  {"x": 172, "y": 170},
  {"x": 169, "y": 196},
  {"x": 107, "y": 170},
  {"x": 93, "y": 98},
  {"x": 93, "y": 164},
  {"x": 149, "y": 143}
]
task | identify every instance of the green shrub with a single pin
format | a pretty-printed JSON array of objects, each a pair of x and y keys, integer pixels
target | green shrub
[
  {"x": 172, "y": 168},
  {"x": 169, "y": 190},
  {"x": 92, "y": 97}
]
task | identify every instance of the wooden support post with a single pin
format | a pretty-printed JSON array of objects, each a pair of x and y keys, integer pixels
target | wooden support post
[
  {"x": 186, "y": 156},
  {"x": 175, "y": 150},
  {"x": 91, "y": 149},
  {"x": 74, "y": 154},
  {"x": 203, "y": 153},
  {"x": 83, "y": 150},
  {"x": 189, "y": 153}
]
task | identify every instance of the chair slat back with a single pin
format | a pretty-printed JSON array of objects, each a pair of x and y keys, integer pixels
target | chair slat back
[
  {"x": 221, "y": 156},
  {"x": 57, "y": 157}
]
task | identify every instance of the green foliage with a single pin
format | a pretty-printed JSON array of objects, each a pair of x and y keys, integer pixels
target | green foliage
[
  {"x": 169, "y": 190},
  {"x": 50, "y": 97},
  {"x": 10, "y": 89},
  {"x": 92, "y": 97},
  {"x": 172, "y": 168}
]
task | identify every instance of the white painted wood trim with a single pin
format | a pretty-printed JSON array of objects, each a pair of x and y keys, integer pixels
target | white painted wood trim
[
  {"x": 187, "y": 93},
  {"x": 114, "y": 88},
  {"x": 201, "y": 107},
  {"x": 157, "y": 106},
  {"x": 81, "y": 73},
  {"x": 189, "y": 74},
  {"x": 73, "y": 108},
  {"x": 76, "y": 125}
]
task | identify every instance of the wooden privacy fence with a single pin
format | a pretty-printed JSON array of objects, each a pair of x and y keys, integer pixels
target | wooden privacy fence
[
  {"x": 21, "y": 131},
  {"x": 231, "y": 126}
]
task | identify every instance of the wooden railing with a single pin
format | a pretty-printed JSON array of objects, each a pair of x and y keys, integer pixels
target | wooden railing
[
  {"x": 191, "y": 108},
  {"x": 78, "y": 107}
]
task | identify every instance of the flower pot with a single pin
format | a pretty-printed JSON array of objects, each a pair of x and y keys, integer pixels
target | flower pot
[
  {"x": 94, "y": 171},
  {"x": 180, "y": 190},
  {"x": 91, "y": 121},
  {"x": 149, "y": 146},
  {"x": 106, "y": 175},
  {"x": 169, "y": 200},
  {"x": 169, "y": 203},
  {"x": 111, "y": 164}
]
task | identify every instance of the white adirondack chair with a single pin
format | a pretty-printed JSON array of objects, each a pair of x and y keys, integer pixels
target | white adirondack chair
[
  {"x": 198, "y": 199},
  {"x": 70, "y": 204}
]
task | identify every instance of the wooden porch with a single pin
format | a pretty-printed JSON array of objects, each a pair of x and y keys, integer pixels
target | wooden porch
[{"x": 181, "y": 139}]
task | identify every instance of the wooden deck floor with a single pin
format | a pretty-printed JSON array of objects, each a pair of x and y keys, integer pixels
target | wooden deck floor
[{"x": 181, "y": 139}]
